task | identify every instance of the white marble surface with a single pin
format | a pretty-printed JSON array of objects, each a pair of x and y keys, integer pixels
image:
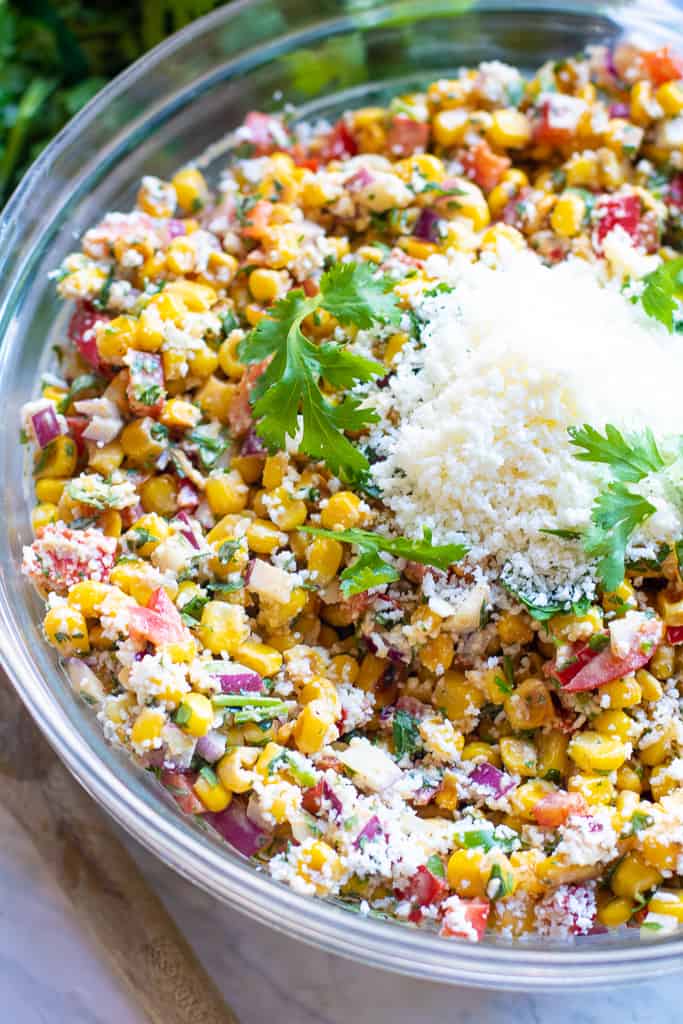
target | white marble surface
[{"x": 49, "y": 975}]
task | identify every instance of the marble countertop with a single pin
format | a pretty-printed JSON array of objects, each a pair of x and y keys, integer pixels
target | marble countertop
[{"x": 50, "y": 975}]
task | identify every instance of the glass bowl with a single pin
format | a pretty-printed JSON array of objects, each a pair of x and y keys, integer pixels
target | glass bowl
[{"x": 163, "y": 111}]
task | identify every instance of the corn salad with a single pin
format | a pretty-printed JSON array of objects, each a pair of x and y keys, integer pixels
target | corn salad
[{"x": 235, "y": 604}]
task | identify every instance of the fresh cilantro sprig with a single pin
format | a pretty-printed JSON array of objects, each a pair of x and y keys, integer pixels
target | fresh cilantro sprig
[
  {"x": 617, "y": 511},
  {"x": 370, "y": 570},
  {"x": 405, "y": 732},
  {"x": 290, "y": 384},
  {"x": 662, "y": 288}
]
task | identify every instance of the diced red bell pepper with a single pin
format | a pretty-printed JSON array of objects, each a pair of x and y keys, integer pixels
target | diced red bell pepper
[
  {"x": 554, "y": 809},
  {"x": 580, "y": 656},
  {"x": 674, "y": 635},
  {"x": 483, "y": 166},
  {"x": 605, "y": 667},
  {"x": 76, "y": 425},
  {"x": 424, "y": 888},
  {"x": 406, "y": 135},
  {"x": 179, "y": 786},
  {"x": 303, "y": 159},
  {"x": 82, "y": 331},
  {"x": 159, "y": 623},
  {"x": 339, "y": 144},
  {"x": 662, "y": 66},
  {"x": 618, "y": 211},
  {"x": 469, "y": 922}
]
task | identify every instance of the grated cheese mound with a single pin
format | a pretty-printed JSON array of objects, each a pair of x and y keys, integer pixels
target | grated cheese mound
[{"x": 473, "y": 431}]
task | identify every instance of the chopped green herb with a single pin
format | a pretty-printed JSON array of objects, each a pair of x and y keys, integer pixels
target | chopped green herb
[
  {"x": 405, "y": 733},
  {"x": 662, "y": 288},
  {"x": 435, "y": 865}
]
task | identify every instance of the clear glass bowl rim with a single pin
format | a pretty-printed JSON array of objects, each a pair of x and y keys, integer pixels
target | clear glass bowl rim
[{"x": 316, "y": 922}]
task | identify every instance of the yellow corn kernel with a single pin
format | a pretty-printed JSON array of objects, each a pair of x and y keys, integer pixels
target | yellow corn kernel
[
  {"x": 518, "y": 756},
  {"x": 115, "y": 337},
  {"x": 180, "y": 414},
  {"x": 658, "y": 751},
  {"x": 226, "y": 493},
  {"x": 418, "y": 249},
  {"x": 472, "y": 204},
  {"x": 106, "y": 459},
  {"x": 343, "y": 669},
  {"x": 226, "y": 528},
  {"x": 211, "y": 791},
  {"x": 266, "y": 285},
  {"x": 650, "y": 688},
  {"x": 449, "y": 92},
  {"x": 644, "y": 108},
  {"x": 139, "y": 443},
  {"x": 197, "y": 713},
  {"x": 260, "y": 657},
  {"x": 49, "y": 489},
  {"x": 467, "y": 873},
  {"x": 622, "y": 693},
  {"x": 191, "y": 189},
  {"x": 312, "y": 727},
  {"x": 394, "y": 346},
  {"x": 425, "y": 165},
  {"x": 149, "y": 331},
  {"x": 231, "y": 769},
  {"x": 594, "y": 751},
  {"x": 447, "y": 797},
  {"x": 58, "y": 458},
  {"x": 147, "y": 726},
  {"x": 529, "y": 706},
  {"x": 479, "y": 751},
  {"x": 437, "y": 654},
  {"x": 323, "y": 690},
  {"x": 159, "y": 494},
  {"x": 98, "y": 641},
  {"x": 509, "y": 129},
  {"x": 515, "y": 176},
  {"x": 198, "y": 298},
  {"x": 148, "y": 532},
  {"x": 66, "y": 629},
  {"x": 582, "y": 169},
  {"x": 87, "y": 596},
  {"x": 223, "y": 627},
  {"x": 227, "y": 356},
  {"x": 372, "y": 670},
  {"x": 515, "y": 628},
  {"x": 567, "y": 216},
  {"x": 616, "y": 912},
  {"x": 343, "y": 510},
  {"x": 670, "y": 98},
  {"x": 572, "y": 627},
  {"x": 323, "y": 558},
  {"x": 499, "y": 196},
  {"x": 613, "y": 723},
  {"x": 662, "y": 781},
  {"x": 620, "y": 599},
  {"x": 203, "y": 361},
  {"x": 668, "y": 902},
  {"x": 42, "y": 515},
  {"x": 215, "y": 398},
  {"x": 285, "y": 511},
  {"x": 595, "y": 789},
  {"x": 552, "y": 754},
  {"x": 632, "y": 877},
  {"x": 320, "y": 865},
  {"x": 274, "y": 470},
  {"x": 249, "y": 467},
  {"x": 450, "y": 127},
  {"x": 612, "y": 170},
  {"x": 670, "y": 611},
  {"x": 54, "y": 393},
  {"x": 275, "y": 614},
  {"x": 458, "y": 699},
  {"x": 264, "y": 538},
  {"x": 662, "y": 662},
  {"x": 110, "y": 523},
  {"x": 629, "y": 779},
  {"x": 425, "y": 621},
  {"x": 554, "y": 871},
  {"x": 660, "y": 851},
  {"x": 505, "y": 233},
  {"x": 525, "y": 797}
]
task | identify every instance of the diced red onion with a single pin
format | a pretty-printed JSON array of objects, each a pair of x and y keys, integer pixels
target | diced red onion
[
  {"x": 248, "y": 571},
  {"x": 427, "y": 226},
  {"x": 619, "y": 110},
  {"x": 188, "y": 533},
  {"x": 211, "y": 746},
  {"x": 252, "y": 444},
  {"x": 187, "y": 496},
  {"x": 487, "y": 775},
  {"x": 610, "y": 65},
  {"x": 235, "y": 826},
  {"x": 45, "y": 425},
  {"x": 332, "y": 797},
  {"x": 361, "y": 179},
  {"x": 369, "y": 831},
  {"x": 240, "y": 682},
  {"x": 175, "y": 228}
]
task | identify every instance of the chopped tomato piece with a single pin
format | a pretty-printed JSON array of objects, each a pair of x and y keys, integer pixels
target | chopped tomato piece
[
  {"x": 179, "y": 786},
  {"x": 465, "y": 919},
  {"x": 82, "y": 331},
  {"x": 617, "y": 211},
  {"x": 76, "y": 425},
  {"x": 554, "y": 809},
  {"x": 240, "y": 418},
  {"x": 188, "y": 498},
  {"x": 258, "y": 219},
  {"x": 484, "y": 166},
  {"x": 303, "y": 159},
  {"x": 571, "y": 666},
  {"x": 662, "y": 66},
  {"x": 424, "y": 889},
  {"x": 339, "y": 144},
  {"x": 605, "y": 667},
  {"x": 406, "y": 135},
  {"x": 674, "y": 635},
  {"x": 558, "y": 119},
  {"x": 159, "y": 622}
]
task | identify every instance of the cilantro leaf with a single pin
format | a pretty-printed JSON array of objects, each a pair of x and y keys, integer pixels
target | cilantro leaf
[
  {"x": 435, "y": 865},
  {"x": 662, "y": 287},
  {"x": 629, "y": 456},
  {"x": 616, "y": 514},
  {"x": 405, "y": 733},
  {"x": 369, "y": 570},
  {"x": 290, "y": 385}
]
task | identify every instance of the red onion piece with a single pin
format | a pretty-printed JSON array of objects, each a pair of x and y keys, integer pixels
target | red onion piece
[
  {"x": 175, "y": 228},
  {"x": 235, "y": 826},
  {"x": 619, "y": 110},
  {"x": 211, "y": 746},
  {"x": 361, "y": 179},
  {"x": 240, "y": 682},
  {"x": 427, "y": 226},
  {"x": 492, "y": 778},
  {"x": 252, "y": 444},
  {"x": 188, "y": 498},
  {"x": 369, "y": 831},
  {"x": 188, "y": 533},
  {"x": 45, "y": 425}
]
